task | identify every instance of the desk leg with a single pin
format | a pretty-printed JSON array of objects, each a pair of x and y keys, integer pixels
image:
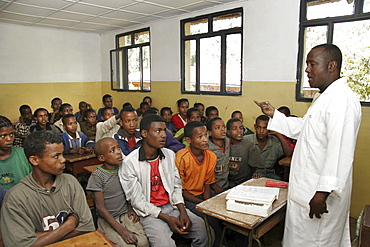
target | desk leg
[{"x": 208, "y": 231}]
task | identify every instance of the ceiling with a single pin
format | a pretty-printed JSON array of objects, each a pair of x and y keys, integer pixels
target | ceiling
[{"x": 96, "y": 15}]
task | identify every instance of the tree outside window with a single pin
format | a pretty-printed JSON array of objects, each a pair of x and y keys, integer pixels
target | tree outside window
[
  {"x": 130, "y": 61},
  {"x": 345, "y": 23},
  {"x": 211, "y": 50}
]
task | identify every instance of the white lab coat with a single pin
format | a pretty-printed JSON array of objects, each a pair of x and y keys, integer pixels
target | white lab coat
[{"x": 322, "y": 161}]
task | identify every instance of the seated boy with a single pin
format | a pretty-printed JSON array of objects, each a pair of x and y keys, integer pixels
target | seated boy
[
  {"x": 128, "y": 137},
  {"x": 82, "y": 106},
  {"x": 14, "y": 165},
  {"x": 65, "y": 109},
  {"x": 42, "y": 123},
  {"x": 211, "y": 112},
  {"x": 239, "y": 115},
  {"x": 196, "y": 165},
  {"x": 245, "y": 160},
  {"x": 55, "y": 115},
  {"x": 166, "y": 113},
  {"x": 116, "y": 219},
  {"x": 88, "y": 126},
  {"x": 152, "y": 184},
  {"x": 193, "y": 114},
  {"x": 220, "y": 145},
  {"x": 110, "y": 124},
  {"x": 46, "y": 206},
  {"x": 23, "y": 125},
  {"x": 107, "y": 102},
  {"x": 75, "y": 142},
  {"x": 200, "y": 106},
  {"x": 270, "y": 144},
  {"x": 171, "y": 142}
]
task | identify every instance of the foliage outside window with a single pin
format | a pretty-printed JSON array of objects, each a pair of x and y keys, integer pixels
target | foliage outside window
[
  {"x": 345, "y": 23},
  {"x": 211, "y": 53},
  {"x": 130, "y": 61}
]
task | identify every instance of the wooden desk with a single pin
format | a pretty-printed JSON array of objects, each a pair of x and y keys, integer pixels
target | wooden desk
[
  {"x": 255, "y": 226},
  {"x": 76, "y": 162},
  {"x": 95, "y": 238},
  {"x": 285, "y": 162},
  {"x": 91, "y": 169}
]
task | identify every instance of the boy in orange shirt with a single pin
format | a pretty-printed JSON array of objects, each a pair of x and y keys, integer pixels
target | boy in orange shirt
[{"x": 196, "y": 165}]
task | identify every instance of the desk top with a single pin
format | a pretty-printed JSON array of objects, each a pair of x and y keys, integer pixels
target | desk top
[
  {"x": 95, "y": 238},
  {"x": 216, "y": 207},
  {"x": 78, "y": 157},
  {"x": 285, "y": 161},
  {"x": 91, "y": 169}
]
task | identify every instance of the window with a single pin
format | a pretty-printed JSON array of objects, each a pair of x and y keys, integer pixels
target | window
[
  {"x": 345, "y": 23},
  {"x": 130, "y": 61},
  {"x": 211, "y": 53}
]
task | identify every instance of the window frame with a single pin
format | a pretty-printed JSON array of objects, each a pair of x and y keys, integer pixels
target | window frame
[
  {"x": 197, "y": 37},
  {"x": 124, "y": 64},
  {"x": 358, "y": 15}
]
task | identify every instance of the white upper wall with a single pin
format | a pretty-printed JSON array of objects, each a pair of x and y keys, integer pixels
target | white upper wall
[
  {"x": 33, "y": 54},
  {"x": 270, "y": 42}
]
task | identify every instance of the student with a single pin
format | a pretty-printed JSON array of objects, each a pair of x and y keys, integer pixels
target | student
[
  {"x": 75, "y": 142},
  {"x": 220, "y": 145},
  {"x": 239, "y": 115},
  {"x": 152, "y": 184},
  {"x": 211, "y": 112},
  {"x": 116, "y": 219},
  {"x": 13, "y": 163},
  {"x": 196, "y": 165},
  {"x": 88, "y": 126},
  {"x": 82, "y": 106},
  {"x": 109, "y": 126},
  {"x": 55, "y": 115},
  {"x": 127, "y": 104},
  {"x": 270, "y": 144},
  {"x": 245, "y": 160},
  {"x": 200, "y": 106},
  {"x": 171, "y": 142},
  {"x": 42, "y": 123},
  {"x": 148, "y": 100},
  {"x": 193, "y": 114},
  {"x": 107, "y": 102},
  {"x": 48, "y": 205},
  {"x": 166, "y": 113},
  {"x": 127, "y": 136},
  {"x": 179, "y": 119},
  {"x": 144, "y": 106},
  {"x": 22, "y": 127},
  {"x": 64, "y": 110}
]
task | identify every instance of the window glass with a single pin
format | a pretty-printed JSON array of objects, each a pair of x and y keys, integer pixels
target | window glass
[
  {"x": 313, "y": 36},
  {"x": 124, "y": 41},
  {"x": 146, "y": 68},
  {"x": 210, "y": 64},
  {"x": 366, "y": 6},
  {"x": 353, "y": 38},
  {"x": 196, "y": 27},
  {"x": 227, "y": 21},
  {"x": 134, "y": 75},
  {"x": 190, "y": 65},
  {"x": 233, "y": 62},
  {"x": 142, "y": 37},
  {"x": 329, "y": 8}
]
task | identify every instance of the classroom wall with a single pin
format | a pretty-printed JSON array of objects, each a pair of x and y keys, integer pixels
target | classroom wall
[
  {"x": 75, "y": 66},
  {"x": 38, "y": 64}
]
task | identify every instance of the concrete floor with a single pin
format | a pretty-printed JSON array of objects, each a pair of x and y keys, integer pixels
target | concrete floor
[{"x": 274, "y": 237}]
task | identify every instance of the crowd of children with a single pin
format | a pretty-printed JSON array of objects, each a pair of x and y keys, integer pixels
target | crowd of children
[{"x": 156, "y": 167}]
